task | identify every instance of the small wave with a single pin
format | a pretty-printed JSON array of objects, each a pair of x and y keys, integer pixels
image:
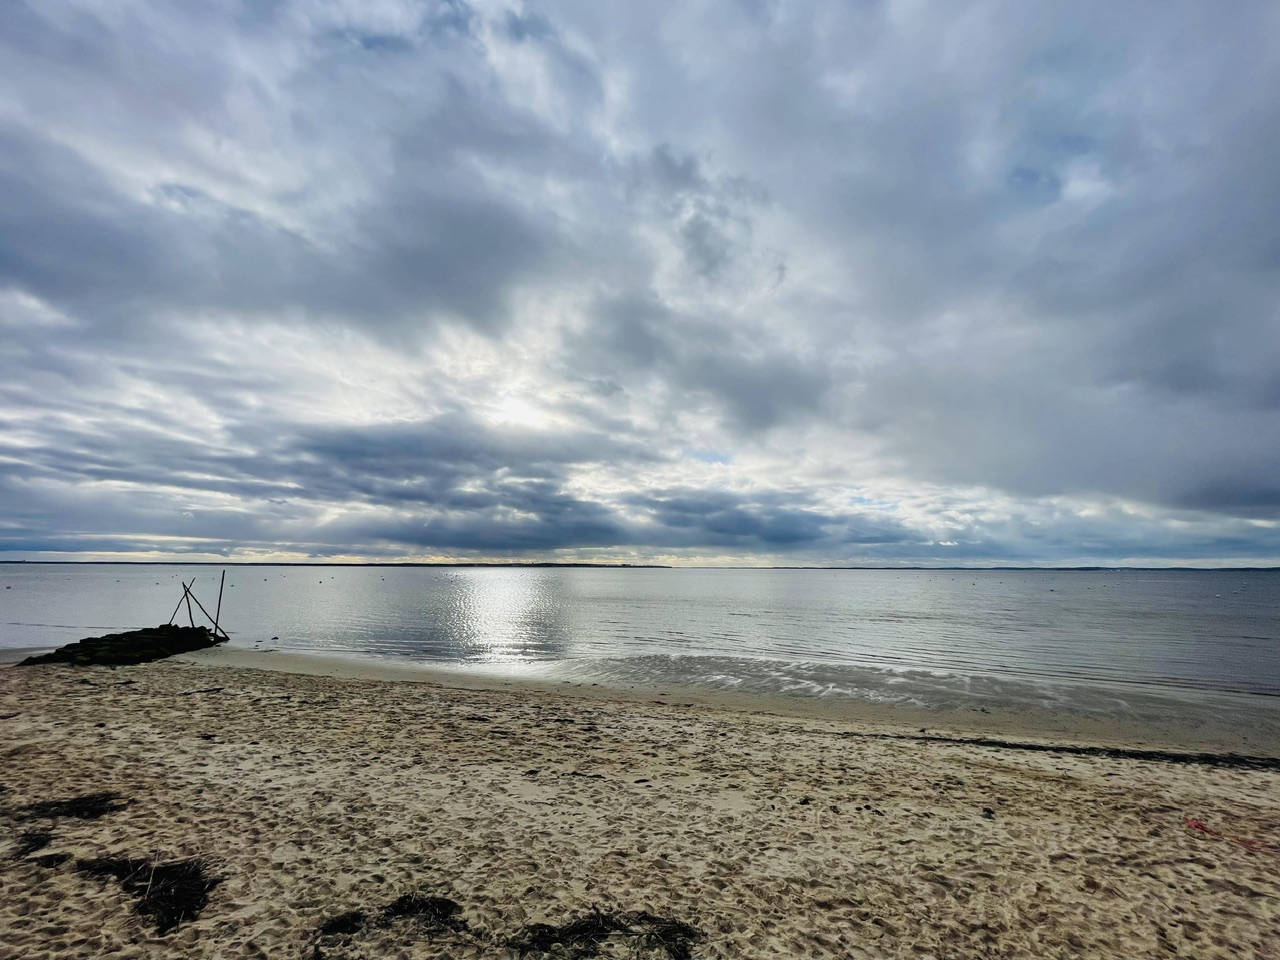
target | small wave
[{"x": 907, "y": 685}]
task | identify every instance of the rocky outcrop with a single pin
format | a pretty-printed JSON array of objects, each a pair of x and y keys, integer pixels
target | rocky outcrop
[{"x": 135, "y": 646}]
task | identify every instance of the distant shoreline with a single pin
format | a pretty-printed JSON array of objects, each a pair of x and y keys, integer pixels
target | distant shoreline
[{"x": 617, "y": 566}]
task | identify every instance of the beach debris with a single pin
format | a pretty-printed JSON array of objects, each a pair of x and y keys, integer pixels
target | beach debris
[
  {"x": 428, "y": 914},
  {"x": 90, "y": 806},
  {"x": 1253, "y": 846},
  {"x": 51, "y": 860},
  {"x": 31, "y": 841},
  {"x": 132, "y": 647},
  {"x": 584, "y": 936},
  {"x": 432, "y": 913},
  {"x": 344, "y": 924},
  {"x": 1229, "y": 761},
  {"x": 579, "y": 938},
  {"x": 167, "y": 893}
]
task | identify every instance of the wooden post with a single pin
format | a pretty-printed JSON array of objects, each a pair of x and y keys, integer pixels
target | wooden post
[
  {"x": 180, "y": 599},
  {"x": 192, "y": 595},
  {"x": 186, "y": 591},
  {"x": 218, "y": 613}
]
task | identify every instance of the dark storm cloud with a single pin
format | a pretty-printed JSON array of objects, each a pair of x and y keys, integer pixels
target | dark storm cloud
[
  {"x": 432, "y": 463},
  {"x": 515, "y": 518},
  {"x": 765, "y": 521},
  {"x": 448, "y": 484},
  {"x": 440, "y": 463},
  {"x": 966, "y": 282},
  {"x": 728, "y": 520}
]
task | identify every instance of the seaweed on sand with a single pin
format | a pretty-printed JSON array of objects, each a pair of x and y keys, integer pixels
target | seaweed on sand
[
  {"x": 674, "y": 936},
  {"x": 344, "y": 924},
  {"x": 167, "y": 893},
  {"x": 1229, "y": 761},
  {"x": 90, "y": 806},
  {"x": 583, "y": 937},
  {"x": 428, "y": 915},
  {"x": 31, "y": 841},
  {"x": 578, "y": 939},
  {"x": 431, "y": 913}
]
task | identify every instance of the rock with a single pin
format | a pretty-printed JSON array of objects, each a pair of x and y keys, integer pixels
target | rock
[{"x": 135, "y": 646}]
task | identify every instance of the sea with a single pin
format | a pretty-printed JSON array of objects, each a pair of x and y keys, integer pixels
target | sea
[{"x": 1086, "y": 639}]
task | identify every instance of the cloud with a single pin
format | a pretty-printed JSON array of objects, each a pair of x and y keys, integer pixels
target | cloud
[{"x": 970, "y": 284}]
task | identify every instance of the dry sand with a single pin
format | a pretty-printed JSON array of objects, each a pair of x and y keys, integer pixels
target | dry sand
[{"x": 773, "y": 836}]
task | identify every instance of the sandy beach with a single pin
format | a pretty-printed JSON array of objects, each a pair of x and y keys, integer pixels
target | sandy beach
[{"x": 360, "y": 817}]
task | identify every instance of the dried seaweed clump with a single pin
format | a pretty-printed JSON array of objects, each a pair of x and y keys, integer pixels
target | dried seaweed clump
[
  {"x": 90, "y": 806},
  {"x": 344, "y": 924},
  {"x": 168, "y": 893},
  {"x": 431, "y": 913},
  {"x": 583, "y": 937},
  {"x": 427, "y": 914},
  {"x": 31, "y": 841}
]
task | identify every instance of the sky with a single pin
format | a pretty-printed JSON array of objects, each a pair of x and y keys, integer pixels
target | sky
[{"x": 738, "y": 282}]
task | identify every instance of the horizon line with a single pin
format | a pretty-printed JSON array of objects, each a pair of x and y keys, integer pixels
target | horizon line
[{"x": 1086, "y": 568}]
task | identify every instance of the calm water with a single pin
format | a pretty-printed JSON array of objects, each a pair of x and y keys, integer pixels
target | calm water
[{"x": 823, "y": 632}]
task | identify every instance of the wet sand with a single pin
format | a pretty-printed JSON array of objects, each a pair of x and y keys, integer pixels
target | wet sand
[{"x": 309, "y": 796}]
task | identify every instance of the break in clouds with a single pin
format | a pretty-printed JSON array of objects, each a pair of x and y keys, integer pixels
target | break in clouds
[{"x": 720, "y": 282}]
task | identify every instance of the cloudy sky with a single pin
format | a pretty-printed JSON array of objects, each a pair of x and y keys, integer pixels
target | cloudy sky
[{"x": 741, "y": 281}]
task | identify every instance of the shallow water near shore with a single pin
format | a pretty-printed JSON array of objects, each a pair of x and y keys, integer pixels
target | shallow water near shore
[{"x": 1104, "y": 642}]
